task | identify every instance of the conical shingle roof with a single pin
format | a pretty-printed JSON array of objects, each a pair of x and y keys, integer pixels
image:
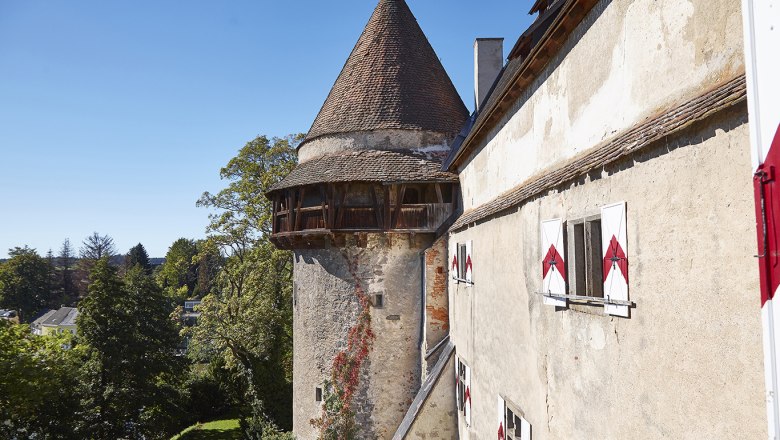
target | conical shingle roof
[{"x": 392, "y": 80}]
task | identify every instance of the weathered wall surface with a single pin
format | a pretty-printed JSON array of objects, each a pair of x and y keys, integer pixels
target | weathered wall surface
[
  {"x": 437, "y": 323},
  {"x": 688, "y": 362},
  {"x": 438, "y": 417},
  {"x": 430, "y": 143},
  {"x": 628, "y": 60},
  {"x": 325, "y": 307}
]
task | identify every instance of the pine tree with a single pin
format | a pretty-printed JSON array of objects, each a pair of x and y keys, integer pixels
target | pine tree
[
  {"x": 66, "y": 260},
  {"x": 131, "y": 378},
  {"x": 138, "y": 257}
]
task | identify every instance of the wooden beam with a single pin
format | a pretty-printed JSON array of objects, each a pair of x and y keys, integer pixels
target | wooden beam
[
  {"x": 340, "y": 216},
  {"x": 275, "y": 209},
  {"x": 298, "y": 208},
  {"x": 291, "y": 209},
  {"x": 398, "y": 204},
  {"x": 330, "y": 192},
  {"x": 323, "y": 196},
  {"x": 377, "y": 208},
  {"x": 439, "y": 196},
  {"x": 387, "y": 208}
]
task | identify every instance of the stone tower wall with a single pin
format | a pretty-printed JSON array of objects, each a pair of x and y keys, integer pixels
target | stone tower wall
[{"x": 326, "y": 307}]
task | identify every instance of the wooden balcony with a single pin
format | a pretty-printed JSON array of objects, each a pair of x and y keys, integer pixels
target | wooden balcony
[{"x": 310, "y": 216}]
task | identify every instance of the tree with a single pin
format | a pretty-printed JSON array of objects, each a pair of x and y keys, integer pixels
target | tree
[
  {"x": 179, "y": 273},
  {"x": 37, "y": 379},
  {"x": 248, "y": 317},
  {"x": 25, "y": 283},
  {"x": 97, "y": 246},
  {"x": 131, "y": 377},
  {"x": 138, "y": 257},
  {"x": 66, "y": 260}
]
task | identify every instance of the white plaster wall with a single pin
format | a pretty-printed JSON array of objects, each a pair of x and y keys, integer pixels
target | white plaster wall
[
  {"x": 688, "y": 362},
  {"x": 627, "y": 61},
  {"x": 424, "y": 142}
]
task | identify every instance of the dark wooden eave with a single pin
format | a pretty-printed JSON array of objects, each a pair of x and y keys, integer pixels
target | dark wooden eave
[{"x": 520, "y": 73}]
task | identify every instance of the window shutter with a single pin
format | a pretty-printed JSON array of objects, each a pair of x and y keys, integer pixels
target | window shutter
[
  {"x": 467, "y": 396},
  {"x": 457, "y": 382},
  {"x": 525, "y": 430},
  {"x": 454, "y": 268},
  {"x": 613, "y": 245},
  {"x": 468, "y": 262},
  {"x": 501, "y": 407},
  {"x": 553, "y": 262}
]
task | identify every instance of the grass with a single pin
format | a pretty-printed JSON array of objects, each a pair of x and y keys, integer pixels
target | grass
[{"x": 216, "y": 430}]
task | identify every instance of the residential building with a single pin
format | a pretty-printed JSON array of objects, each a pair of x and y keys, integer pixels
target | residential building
[
  {"x": 9, "y": 315},
  {"x": 56, "y": 322}
]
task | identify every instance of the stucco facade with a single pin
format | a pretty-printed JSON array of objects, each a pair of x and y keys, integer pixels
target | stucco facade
[{"x": 687, "y": 363}]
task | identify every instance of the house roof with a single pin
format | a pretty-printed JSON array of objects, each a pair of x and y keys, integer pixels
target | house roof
[
  {"x": 64, "y": 316},
  {"x": 366, "y": 166},
  {"x": 391, "y": 80},
  {"x": 520, "y": 71}
]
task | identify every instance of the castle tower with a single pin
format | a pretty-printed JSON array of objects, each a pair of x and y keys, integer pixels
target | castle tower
[{"x": 365, "y": 201}]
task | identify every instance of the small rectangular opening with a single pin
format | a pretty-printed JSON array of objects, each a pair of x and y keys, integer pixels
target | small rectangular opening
[
  {"x": 379, "y": 301},
  {"x": 593, "y": 259},
  {"x": 318, "y": 394}
]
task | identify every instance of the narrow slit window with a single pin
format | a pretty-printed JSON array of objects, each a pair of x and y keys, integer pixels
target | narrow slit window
[
  {"x": 318, "y": 394},
  {"x": 379, "y": 301}
]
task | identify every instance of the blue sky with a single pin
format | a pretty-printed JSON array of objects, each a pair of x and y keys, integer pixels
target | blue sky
[{"x": 115, "y": 116}]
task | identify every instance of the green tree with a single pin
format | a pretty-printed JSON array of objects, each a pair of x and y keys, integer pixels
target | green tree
[
  {"x": 131, "y": 377},
  {"x": 25, "y": 283},
  {"x": 66, "y": 260},
  {"x": 178, "y": 275},
  {"x": 138, "y": 257},
  {"x": 37, "y": 379},
  {"x": 248, "y": 318},
  {"x": 97, "y": 246}
]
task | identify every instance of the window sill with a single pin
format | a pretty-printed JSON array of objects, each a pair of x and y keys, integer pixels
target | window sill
[
  {"x": 462, "y": 281},
  {"x": 590, "y": 300}
]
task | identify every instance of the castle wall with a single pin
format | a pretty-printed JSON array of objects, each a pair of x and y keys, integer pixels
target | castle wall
[
  {"x": 326, "y": 306},
  {"x": 628, "y": 60},
  {"x": 687, "y": 363}
]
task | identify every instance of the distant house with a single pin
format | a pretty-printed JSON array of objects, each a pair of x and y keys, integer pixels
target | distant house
[
  {"x": 9, "y": 315},
  {"x": 56, "y": 322}
]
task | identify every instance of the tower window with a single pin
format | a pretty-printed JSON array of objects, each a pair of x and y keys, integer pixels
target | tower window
[
  {"x": 318, "y": 394},
  {"x": 411, "y": 196},
  {"x": 379, "y": 301}
]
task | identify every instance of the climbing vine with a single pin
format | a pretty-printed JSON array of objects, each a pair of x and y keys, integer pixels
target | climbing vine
[{"x": 337, "y": 421}]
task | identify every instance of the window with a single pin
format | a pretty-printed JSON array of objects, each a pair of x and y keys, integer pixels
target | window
[
  {"x": 585, "y": 263},
  {"x": 586, "y": 260},
  {"x": 411, "y": 196},
  {"x": 462, "y": 263},
  {"x": 511, "y": 424},
  {"x": 463, "y": 390},
  {"x": 318, "y": 394},
  {"x": 379, "y": 301}
]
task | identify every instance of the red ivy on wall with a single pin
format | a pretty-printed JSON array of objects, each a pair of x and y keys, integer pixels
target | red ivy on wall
[{"x": 337, "y": 421}]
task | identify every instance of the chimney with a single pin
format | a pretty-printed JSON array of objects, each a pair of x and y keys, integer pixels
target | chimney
[{"x": 488, "y": 62}]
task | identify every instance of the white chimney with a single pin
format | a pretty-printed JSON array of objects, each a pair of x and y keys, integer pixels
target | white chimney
[{"x": 488, "y": 61}]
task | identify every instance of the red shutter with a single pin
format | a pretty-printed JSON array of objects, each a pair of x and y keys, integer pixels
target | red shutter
[
  {"x": 615, "y": 250},
  {"x": 553, "y": 262}
]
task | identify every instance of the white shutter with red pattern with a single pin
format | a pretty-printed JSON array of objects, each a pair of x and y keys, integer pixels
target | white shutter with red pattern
[
  {"x": 553, "y": 262},
  {"x": 454, "y": 265},
  {"x": 468, "y": 262},
  {"x": 457, "y": 383},
  {"x": 501, "y": 408},
  {"x": 467, "y": 396},
  {"x": 615, "y": 264}
]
